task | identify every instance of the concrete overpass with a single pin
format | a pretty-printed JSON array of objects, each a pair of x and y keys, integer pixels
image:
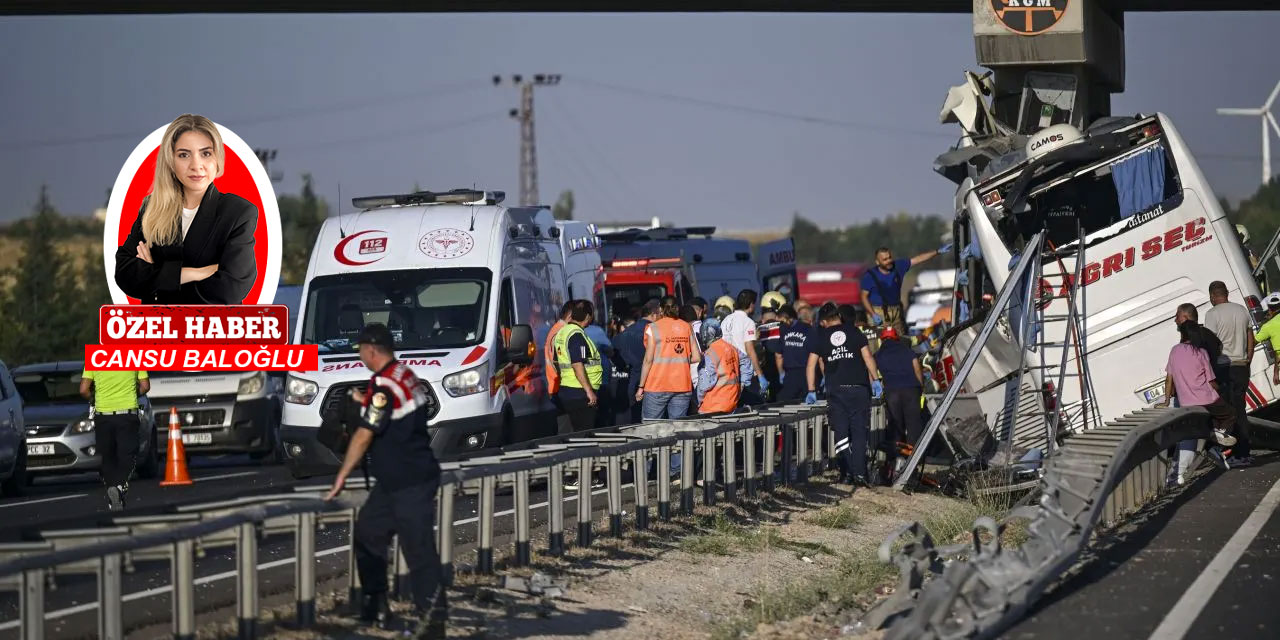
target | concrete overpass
[{"x": 43, "y": 7}]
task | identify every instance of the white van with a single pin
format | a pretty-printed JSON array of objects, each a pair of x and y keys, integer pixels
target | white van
[
  {"x": 583, "y": 272},
  {"x": 469, "y": 290}
]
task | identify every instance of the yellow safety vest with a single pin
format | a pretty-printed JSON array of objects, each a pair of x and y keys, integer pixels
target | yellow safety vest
[{"x": 595, "y": 370}]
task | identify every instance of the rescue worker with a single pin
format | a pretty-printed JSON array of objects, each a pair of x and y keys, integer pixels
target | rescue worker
[
  {"x": 903, "y": 392},
  {"x": 769, "y": 342},
  {"x": 724, "y": 307},
  {"x": 793, "y": 357},
  {"x": 699, "y": 305},
  {"x": 718, "y": 381},
  {"x": 580, "y": 367},
  {"x": 1270, "y": 330},
  {"x": 740, "y": 330},
  {"x": 852, "y": 380},
  {"x": 113, "y": 408},
  {"x": 665, "y": 381},
  {"x": 630, "y": 345},
  {"x": 882, "y": 286},
  {"x": 548, "y": 356},
  {"x": 393, "y": 431}
]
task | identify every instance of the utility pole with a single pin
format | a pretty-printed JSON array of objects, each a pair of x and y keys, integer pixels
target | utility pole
[
  {"x": 528, "y": 145},
  {"x": 265, "y": 156}
]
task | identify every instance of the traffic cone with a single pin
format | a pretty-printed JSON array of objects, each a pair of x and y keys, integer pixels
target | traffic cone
[{"x": 175, "y": 470}]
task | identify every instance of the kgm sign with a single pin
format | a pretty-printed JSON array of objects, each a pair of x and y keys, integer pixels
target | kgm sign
[{"x": 1029, "y": 17}]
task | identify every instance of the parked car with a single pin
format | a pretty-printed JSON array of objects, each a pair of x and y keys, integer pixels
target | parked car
[
  {"x": 59, "y": 432},
  {"x": 13, "y": 436}
]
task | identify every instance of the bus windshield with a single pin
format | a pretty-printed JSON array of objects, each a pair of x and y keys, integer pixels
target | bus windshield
[
  {"x": 423, "y": 308},
  {"x": 1103, "y": 196}
]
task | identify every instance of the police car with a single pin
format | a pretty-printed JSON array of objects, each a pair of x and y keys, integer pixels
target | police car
[{"x": 469, "y": 289}]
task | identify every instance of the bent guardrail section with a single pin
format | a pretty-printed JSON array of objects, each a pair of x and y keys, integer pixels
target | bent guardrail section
[
  {"x": 240, "y": 524},
  {"x": 1095, "y": 475}
]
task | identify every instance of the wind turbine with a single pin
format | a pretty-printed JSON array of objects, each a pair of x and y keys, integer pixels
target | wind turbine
[{"x": 1265, "y": 112}]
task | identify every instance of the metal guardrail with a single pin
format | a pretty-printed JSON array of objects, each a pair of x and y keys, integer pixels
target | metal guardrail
[
  {"x": 182, "y": 536},
  {"x": 1097, "y": 475}
]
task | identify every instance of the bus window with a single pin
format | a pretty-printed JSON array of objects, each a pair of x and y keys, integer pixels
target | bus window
[{"x": 1101, "y": 197}]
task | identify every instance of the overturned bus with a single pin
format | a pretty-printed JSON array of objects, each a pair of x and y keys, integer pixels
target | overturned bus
[{"x": 1124, "y": 196}]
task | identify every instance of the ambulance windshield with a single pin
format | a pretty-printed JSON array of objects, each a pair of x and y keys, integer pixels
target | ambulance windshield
[{"x": 424, "y": 309}]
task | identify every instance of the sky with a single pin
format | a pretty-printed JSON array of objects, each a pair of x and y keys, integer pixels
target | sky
[{"x": 734, "y": 120}]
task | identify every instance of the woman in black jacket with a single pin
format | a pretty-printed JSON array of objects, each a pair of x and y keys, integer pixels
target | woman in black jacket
[{"x": 191, "y": 244}]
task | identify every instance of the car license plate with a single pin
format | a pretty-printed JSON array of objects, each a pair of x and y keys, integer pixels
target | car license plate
[
  {"x": 40, "y": 450},
  {"x": 1153, "y": 394},
  {"x": 197, "y": 438}
]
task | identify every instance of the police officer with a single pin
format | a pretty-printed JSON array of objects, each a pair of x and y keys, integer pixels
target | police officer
[
  {"x": 113, "y": 397},
  {"x": 393, "y": 431},
  {"x": 794, "y": 356},
  {"x": 852, "y": 380}
]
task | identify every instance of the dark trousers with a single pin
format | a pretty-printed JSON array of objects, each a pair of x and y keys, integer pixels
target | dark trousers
[
  {"x": 849, "y": 412},
  {"x": 903, "y": 408},
  {"x": 1223, "y": 417},
  {"x": 409, "y": 513},
  {"x": 116, "y": 438},
  {"x": 1239, "y": 375},
  {"x": 633, "y": 386},
  {"x": 794, "y": 386},
  {"x": 751, "y": 395},
  {"x": 581, "y": 415},
  {"x": 604, "y": 405},
  {"x": 620, "y": 402}
]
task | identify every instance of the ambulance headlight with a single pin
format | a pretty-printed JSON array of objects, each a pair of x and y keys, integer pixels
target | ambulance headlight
[
  {"x": 300, "y": 390},
  {"x": 465, "y": 383},
  {"x": 252, "y": 384}
]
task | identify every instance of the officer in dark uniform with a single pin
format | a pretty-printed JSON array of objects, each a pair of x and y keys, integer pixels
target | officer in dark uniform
[
  {"x": 393, "y": 430},
  {"x": 794, "y": 356},
  {"x": 852, "y": 380}
]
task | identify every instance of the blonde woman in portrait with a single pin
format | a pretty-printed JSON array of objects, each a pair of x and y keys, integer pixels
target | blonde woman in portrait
[{"x": 191, "y": 244}]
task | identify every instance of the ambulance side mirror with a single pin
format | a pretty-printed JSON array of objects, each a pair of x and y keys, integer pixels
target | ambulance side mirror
[{"x": 520, "y": 347}]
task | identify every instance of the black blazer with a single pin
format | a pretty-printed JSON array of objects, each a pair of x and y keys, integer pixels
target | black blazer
[{"x": 221, "y": 234}]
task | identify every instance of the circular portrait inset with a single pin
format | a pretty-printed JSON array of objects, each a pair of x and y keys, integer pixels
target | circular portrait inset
[{"x": 192, "y": 219}]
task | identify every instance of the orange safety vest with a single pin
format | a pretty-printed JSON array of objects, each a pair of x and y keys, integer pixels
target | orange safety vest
[
  {"x": 549, "y": 358},
  {"x": 722, "y": 397},
  {"x": 669, "y": 371}
]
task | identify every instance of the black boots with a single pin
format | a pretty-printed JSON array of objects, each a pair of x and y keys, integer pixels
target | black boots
[{"x": 375, "y": 610}]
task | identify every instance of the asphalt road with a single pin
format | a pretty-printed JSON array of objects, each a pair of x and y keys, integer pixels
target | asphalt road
[{"x": 1207, "y": 565}]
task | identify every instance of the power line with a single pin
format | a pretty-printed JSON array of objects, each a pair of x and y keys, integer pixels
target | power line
[
  {"x": 440, "y": 91},
  {"x": 575, "y": 124},
  {"x": 773, "y": 113}
]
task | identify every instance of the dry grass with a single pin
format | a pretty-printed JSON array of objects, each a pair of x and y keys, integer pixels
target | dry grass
[{"x": 838, "y": 517}]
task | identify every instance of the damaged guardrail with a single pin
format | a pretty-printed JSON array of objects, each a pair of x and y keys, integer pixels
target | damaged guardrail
[
  {"x": 1097, "y": 475},
  {"x": 190, "y": 531}
]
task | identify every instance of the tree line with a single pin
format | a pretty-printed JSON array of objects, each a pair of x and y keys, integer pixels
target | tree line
[{"x": 50, "y": 298}]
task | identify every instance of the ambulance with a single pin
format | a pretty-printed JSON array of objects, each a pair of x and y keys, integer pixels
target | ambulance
[
  {"x": 583, "y": 270},
  {"x": 469, "y": 289}
]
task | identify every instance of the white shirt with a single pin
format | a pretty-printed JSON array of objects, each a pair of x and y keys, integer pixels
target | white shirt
[
  {"x": 187, "y": 216},
  {"x": 739, "y": 329},
  {"x": 1230, "y": 322}
]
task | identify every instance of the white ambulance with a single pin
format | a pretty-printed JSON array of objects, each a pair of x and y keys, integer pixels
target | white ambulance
[{"x": 469, "y": 289}]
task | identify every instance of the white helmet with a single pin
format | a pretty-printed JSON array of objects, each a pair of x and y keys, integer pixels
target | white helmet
[
  {"x": 772, "y": 300},
  {"x": 1244, "y": 233},
  {"x": 1272, "y": 302}
]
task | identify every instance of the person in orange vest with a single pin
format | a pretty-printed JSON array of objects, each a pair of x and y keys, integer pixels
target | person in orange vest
[
  {"x": 666, "y": 382},
  {"x": 719, "y": 380},
  {"x": 549, "y": 353}
]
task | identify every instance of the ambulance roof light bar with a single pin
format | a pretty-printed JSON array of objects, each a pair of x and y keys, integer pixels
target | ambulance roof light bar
[{"x": 456, "y": 196}]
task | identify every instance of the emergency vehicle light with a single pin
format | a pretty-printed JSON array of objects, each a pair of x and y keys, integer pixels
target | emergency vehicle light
[
  {"x": 457, "y": 196},
  {"x": 643, "y": 262}
]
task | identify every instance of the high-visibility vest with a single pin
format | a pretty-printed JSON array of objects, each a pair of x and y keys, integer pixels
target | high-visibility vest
[
  {"x": 722, "y": 397},
  {"x": 669, "y": 371},
  {"x": 548, "y": 358},
  {"x": 568, "y": 378}
]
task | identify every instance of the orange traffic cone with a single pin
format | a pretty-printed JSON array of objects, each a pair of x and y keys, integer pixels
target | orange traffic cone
[{"x": 175, "y": 470}]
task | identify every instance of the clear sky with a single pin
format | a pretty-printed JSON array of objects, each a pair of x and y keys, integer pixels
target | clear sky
[{"x": 696, "y": 118}]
